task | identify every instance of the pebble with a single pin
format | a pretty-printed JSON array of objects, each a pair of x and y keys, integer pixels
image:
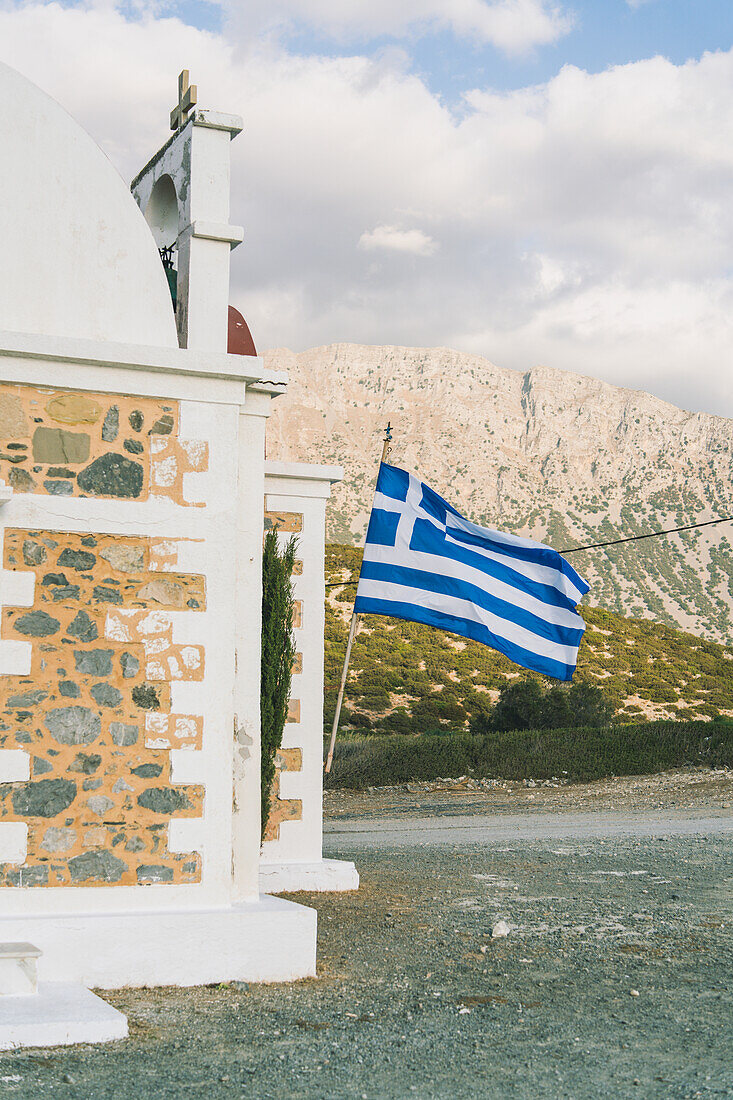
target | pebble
[
  {"x": 678, "y": 781},
  {"x": 464, "y": 783},
  {"x": 633, "y": 992},
  {"x": 501, "y": 928}
]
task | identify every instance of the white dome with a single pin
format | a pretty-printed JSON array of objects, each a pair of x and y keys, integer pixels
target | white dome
[{"x": 76, "y": 255}]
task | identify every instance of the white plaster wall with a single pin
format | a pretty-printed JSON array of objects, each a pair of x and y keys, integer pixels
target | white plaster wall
[
  {"x": 295, "y": 487},
  {"x": 247, "y": 597},
  {"x": 268, "y": 940},
  {"x": 205, "y": 282},
  {"x": 78, "y": 258},
  {"x": 196, "y": 160}
]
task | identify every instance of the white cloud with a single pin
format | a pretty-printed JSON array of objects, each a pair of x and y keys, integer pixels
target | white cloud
[
  {"x": 585, "y": 224},
  {"x": 514, "y": 26},
  {"x": 390, "y": 238}
]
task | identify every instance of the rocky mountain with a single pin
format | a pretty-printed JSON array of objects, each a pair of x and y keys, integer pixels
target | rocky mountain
[{"x": 562, "y": 458}]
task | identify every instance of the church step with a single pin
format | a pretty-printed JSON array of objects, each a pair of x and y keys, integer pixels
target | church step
[
  {"x": 61, "y": 1013},
  {"x": 18, "y": 977}
]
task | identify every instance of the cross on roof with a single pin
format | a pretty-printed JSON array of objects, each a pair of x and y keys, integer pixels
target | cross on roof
[{"x": 186, "y": 101}]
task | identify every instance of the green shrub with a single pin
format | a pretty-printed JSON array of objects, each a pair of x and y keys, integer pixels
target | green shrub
[
  {"x": 525, "y": 705},
  {"x": 519, "y": 707},
  {"x": 278, "y": 651},
  {"x": 587, "y": 705},
  {"x": 578, "y": 754}
]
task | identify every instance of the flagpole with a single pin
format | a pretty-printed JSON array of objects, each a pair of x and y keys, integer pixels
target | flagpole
[{"x": 353, "y": 628}]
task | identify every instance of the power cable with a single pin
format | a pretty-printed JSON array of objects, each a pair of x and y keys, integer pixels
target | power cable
[
  {"x": 598, "y": 545},
  {"x": 649, "y": 535}
]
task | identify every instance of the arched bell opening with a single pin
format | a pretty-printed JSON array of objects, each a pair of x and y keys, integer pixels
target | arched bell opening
[{"x": 161, "y": 214}]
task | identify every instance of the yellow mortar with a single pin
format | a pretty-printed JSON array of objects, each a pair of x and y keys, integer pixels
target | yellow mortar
[{"x": 283, "y": 809}]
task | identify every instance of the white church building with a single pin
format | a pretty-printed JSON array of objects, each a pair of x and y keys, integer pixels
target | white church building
[{"x": 134, "y": 493}]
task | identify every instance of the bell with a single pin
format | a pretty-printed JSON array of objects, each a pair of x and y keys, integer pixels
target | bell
[
  {"x": 172, "y": 276},
  {"x": 166, "y": 255}
]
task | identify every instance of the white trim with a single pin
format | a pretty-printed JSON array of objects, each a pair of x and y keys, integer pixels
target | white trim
[
  {"x": 186, "y": 834},
  {"x": 213, "y": 231},
  {"x": 303, "y": 471},
  {"x": 15, "y": 767},
  {"x": 138, "y": 357},
  {"x": 13, "y": 841},
  {"x": 326, "y": 875},
  {"x": 217, "y": 120},
  {"x": 17, "y": 589},
  {"x": 15, "y": 657},
  {"x": 187, "y": 766}
]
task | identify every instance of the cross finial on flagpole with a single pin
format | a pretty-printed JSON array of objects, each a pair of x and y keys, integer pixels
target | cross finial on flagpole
[
  {"x": 186, "y": 101},
  {"x": 387, "y": 442}
]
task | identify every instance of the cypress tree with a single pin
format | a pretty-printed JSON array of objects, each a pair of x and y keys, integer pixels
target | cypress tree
[{"x": 278, "y": 651}]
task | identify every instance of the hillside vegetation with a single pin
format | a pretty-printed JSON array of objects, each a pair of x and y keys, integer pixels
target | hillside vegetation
[{"x": 408, "y": 678}]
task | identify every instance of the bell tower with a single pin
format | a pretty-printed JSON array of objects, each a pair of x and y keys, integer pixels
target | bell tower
[{"x": 183, "y": 191}]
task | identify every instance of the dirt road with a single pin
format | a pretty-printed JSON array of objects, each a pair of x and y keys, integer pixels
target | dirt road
[{"x": 459, "y": 829}]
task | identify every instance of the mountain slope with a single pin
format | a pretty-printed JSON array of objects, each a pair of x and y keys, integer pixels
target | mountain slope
[{"x": 565, "y": 459}]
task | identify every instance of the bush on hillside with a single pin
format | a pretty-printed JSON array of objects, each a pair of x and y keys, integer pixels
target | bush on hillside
[
  {"x": 519, "y": 707},
  {"x": 525, "y": 705}
]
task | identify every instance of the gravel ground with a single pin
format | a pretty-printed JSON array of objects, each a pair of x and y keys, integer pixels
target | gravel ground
[{"x": 614, "y": 981}]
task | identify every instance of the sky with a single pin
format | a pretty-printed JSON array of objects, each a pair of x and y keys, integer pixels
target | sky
[{"x": 534, "y": 181}]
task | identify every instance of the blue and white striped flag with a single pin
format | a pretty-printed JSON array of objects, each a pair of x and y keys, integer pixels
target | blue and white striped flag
[{"x": 424, "y": 562}]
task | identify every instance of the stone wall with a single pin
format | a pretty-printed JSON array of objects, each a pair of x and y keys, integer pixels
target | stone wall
[
  {"x": 94, "y": 715},
  {"x": 95, "y": 445}
]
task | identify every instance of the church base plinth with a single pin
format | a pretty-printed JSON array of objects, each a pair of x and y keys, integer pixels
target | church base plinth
[
  {"x": 324, "y": 876},
  {"x": 59, "y": 1014},
  {"x": 269, "y": 940}
]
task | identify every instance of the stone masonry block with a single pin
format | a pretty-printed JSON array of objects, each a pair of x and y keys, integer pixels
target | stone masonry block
[
  {"x": 294, "y": 710},
  {"x": 288, "y": 522}
]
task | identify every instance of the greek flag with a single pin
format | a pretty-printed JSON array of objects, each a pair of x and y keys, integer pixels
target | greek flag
[{"x": 423, "y": 561}]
